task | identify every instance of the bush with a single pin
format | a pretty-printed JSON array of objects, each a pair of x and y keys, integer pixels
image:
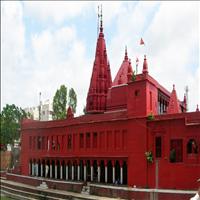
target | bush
[
  {"x": 149, "y": 156},
  {"x": 150, "y": 116}
]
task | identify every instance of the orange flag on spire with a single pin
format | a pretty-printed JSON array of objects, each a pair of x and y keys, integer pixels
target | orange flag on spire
[{"x": 141, "y": 41}]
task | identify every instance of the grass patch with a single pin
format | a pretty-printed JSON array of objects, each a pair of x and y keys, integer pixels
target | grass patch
[{"x": 6, "y": 198}]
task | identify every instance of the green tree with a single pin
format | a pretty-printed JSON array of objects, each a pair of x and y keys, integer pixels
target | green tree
[
  {"x": 11, "y": 117},
  {"x": 59, "y": 103},
  {"x": 72, "y": 99}
]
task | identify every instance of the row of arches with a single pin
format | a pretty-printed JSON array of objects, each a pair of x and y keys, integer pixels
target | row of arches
[{"x": 102, "y": 171}]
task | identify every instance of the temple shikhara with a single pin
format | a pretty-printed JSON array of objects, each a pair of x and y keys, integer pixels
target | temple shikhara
[{"x": 134, "y": 133}]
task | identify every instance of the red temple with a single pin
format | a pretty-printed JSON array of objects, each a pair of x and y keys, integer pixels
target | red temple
[{"x": 134, "y": 132}]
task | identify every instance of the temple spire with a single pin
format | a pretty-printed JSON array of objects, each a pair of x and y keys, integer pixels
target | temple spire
[
  {"x": 101, "y": 76},
  {"x": 145, "y": 66},
  {"x": 173, "y": 103}
]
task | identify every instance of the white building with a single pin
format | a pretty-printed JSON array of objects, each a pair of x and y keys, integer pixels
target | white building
[{"x": 42, "y": 112}]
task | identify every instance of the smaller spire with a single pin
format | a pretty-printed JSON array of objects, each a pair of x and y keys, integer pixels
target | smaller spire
[
  {"x": 173, "y": 103},
  {"x": 130, "y": 72},
  {"x": 70, "y": 113},
  {"x": 145, "y": 66},
  {"x": 126, "y": 54},
  {"x": 197, "y": 109}
]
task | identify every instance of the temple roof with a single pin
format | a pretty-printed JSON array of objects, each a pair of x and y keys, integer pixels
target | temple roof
[{"x": 124, "y": 71}]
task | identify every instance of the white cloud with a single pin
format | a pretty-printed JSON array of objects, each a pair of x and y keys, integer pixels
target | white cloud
[
  {"x": 12, "y": 48},
  {"x": 54, "y": 57},
  {"x": 55, "y": 12}
]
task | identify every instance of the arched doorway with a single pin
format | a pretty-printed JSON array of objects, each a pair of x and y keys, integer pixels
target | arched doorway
[
  {"x": 53, "y": 169},
  {"x": 95, "y": 171},
  {"x": 39, "y": 168},
  {"x": 125, "y": 178},
  {"x": 110, "y": 174},
  {"x": 58, "y": 169},
  {"x": 102, "y": 172},
  {"x": 63, "y": 170},
  {"x": 81, "y": 171},
  {"x": 69, "y": 170},
  {"x": 43, "y": 168},
  {"x": 88, "y": 171},
  {"x": 75, "y": 170},
  {"x": 117, "y": 172}
]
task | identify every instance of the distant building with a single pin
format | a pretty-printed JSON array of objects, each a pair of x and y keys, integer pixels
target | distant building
[{"x": 45, "y": 111}]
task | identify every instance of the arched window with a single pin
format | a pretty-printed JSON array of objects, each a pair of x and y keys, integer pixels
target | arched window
[
  {"x": 176, "y": 150},
  {"x": 192, "y": 146}
]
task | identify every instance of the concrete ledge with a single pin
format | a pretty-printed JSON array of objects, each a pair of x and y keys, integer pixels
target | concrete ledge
[
  {"x": 143, "y": 189},
  {"x": 139, "y": 193}
]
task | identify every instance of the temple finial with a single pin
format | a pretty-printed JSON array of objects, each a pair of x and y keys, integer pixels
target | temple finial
[
  {"x": 101, "y": 20},
  {"x": 126, "y": 54},
  {"x": 197, "y": 109},
  {"x": 145, "y": 66}
]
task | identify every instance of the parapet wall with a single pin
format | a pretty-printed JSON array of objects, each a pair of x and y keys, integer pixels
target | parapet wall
[{"x": 137, "y": 193}]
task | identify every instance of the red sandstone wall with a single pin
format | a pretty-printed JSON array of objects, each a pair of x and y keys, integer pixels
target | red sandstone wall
[
  {"x": 180, "y": 175},
  {"x": 136, "y": 99},
  {"x": 152, "y": 100},
  {"x": 136, "y": 145},
  {"x": 115, "y": 99}
]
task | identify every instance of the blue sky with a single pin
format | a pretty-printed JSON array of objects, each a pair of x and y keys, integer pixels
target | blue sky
[{"x": 46, "y": 44}]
